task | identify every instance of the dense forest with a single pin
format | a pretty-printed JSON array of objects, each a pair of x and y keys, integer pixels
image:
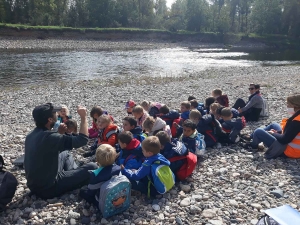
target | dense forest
[{"x": 235, "y": 16}]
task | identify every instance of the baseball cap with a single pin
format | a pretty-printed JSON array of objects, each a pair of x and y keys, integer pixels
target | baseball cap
[
  {"x": 42, "y": 112},
  {"x": 130, "y": 104}
]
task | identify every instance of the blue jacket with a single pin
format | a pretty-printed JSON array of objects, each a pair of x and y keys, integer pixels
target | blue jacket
[
  {"x": 201, "y": 109},
  {"x": 235, "y": 114},
  {"x": 206, "y": 126},
  {"x": 132, "y": 156},
  {"x": 174, "y": 148},
  {"x": 233, "y": 127},
  {"x": 137, "y": 133},
  {"x": 145, "y": 169},
  {"x": 190, "y": 142},
  {"x": 170, "y": 117},
  {"x": 185, "y": 115}
]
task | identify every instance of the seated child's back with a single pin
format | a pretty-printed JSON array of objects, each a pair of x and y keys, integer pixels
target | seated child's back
[
  {"x": 153, "y": 125},
  {"x": 105, "y": 157},
  {"x": 131, "y": 155},
  {"x": 232, "y": 126},
  {"x": 168, "y": 116},
  {"x": 151, "y": 149},
  {"x": 171, "y": 148}
]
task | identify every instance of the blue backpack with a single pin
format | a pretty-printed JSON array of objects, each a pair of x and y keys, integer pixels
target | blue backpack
[
  {"x": 200, "y": 145},
  {"x": 114, "y": 196},
  {"x": 163, "y": 177}
]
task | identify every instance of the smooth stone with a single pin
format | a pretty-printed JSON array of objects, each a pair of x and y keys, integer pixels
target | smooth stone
[
  {"x": 197, "y": 198},
  {"x": 195, "y": 209},
  {"x": 215, "y": 222},
  {"x": 208, "y": 213},
  {"x": 278, "y": 193},
  {"x": 185, "y": 202},
  {"x": 185, "y": 188},
  {"x": 156, "y": 207},
  {"x": 74, "y": 215},
  {"x": 85, "y": 212},
  {"x": 256, "y": 205},
  {"x": 72, "y": 221},
  {"x": 233, "y": 203},
  {"x": 104, "y": 221}
]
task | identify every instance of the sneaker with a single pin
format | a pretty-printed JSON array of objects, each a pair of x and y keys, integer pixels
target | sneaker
[
  {"x": 248, "y": 147},
  {"x": 237, "y": 139},
  {"x": 246, "y": 137}
]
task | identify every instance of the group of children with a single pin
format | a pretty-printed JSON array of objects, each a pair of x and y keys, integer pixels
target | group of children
[{"x": 152, "y": 133}]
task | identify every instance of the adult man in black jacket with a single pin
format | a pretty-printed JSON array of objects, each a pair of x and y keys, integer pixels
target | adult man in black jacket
[{"x": 50, "y": 169}]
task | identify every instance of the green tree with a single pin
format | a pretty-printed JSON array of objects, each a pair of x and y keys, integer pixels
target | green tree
[
  {"x": 266, "y": 16},
  {"x": 291, "y": 17},
  {"x": 176, "y": 19},
  {"x": 196, "y": 13},
  {"x": 2, "y": 11}
]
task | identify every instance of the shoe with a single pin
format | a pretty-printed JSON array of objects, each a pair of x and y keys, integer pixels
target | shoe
[
  {"x": 246, "y": 137},
  {"x": 237, "y": 139},
  {"x": 248, "y": 147}
]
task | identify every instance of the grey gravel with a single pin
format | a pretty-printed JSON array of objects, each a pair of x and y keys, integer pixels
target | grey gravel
[{"x": 241, "y": 194}]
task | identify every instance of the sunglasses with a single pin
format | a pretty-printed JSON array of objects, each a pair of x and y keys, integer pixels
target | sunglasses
[{"x": 250, "y": 89}]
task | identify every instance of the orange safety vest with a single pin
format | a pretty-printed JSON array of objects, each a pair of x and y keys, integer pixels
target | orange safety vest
[{"x": 293, "y": 148}]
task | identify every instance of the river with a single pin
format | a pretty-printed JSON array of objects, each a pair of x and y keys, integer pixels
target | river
[{"x": 30, "y": 67}]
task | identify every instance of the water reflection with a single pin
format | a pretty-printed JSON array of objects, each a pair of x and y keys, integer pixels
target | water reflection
[{"x": 37, "y": 67}]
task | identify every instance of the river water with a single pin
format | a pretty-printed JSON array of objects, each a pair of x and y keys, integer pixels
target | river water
[{"x": 24, "y": 67}]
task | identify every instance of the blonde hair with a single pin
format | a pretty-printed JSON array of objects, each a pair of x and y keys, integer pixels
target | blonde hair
[
  {"x": 145, "y": 104},
  {"x": 65, "y": 108},
  {"x": 148, "y": 123},
  {"x": 151, "y": 144},
  {"x": 105, "y": 155},
  {"x": 138, "y": 109},
  {"x": 106, "y": 118},
  {"x": 195, "y": 114},
  {"x": 215, "y": 106},
  {"x": 294, "y": 100},
  {"x": 186, "y": 104}
]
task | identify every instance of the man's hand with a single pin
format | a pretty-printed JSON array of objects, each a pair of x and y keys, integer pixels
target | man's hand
[
  {"x": 240, "y": 110},
  {"x": 62, "y": 128},
  {"x": 271, "y": 132},
  {"x": 122, "y": 167},
  {"x": 81, "y": 111}
]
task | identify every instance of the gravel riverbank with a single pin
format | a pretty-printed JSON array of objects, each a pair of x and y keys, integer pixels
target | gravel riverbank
[
  {"x": 27, "y": 43},
  {"x": 232, "y": 186}
]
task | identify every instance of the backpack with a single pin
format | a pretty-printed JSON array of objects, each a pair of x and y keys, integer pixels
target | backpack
[
  {"x": 174, "y": 128},
  {"x": 114, "y": 196},
  {"x": 267, "y": 220},
  {"x": 265, "y": 110},
  {"x": 200, "y": 145},
  {"x": 8, "y": 186},
  {"x": 190, "y": 162},
  {"x": 163, "y": 178}
]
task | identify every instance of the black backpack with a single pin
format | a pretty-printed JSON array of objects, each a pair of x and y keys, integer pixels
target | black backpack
[{"x": 8, "y": 186}]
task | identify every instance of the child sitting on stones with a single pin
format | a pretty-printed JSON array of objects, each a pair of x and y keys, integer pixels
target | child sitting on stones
[
  {"x": 63, "y": 114},
  {"x": 198, "y": 106},
  {"x": 131, "y": 154},
  {"x": 153, "y": 125},
  {"x": 151, "y": 151},
  {"x": 151, "y": 107},
  {"x": 220, "y": 98},
  {"x": 107, "y": 134},
  {"x": 139, "y": 114},
  {"x": 185, "y": 108},
  {"x": 130, "y": 124},
  {"x": 95, "y": 113},
  {"x": 171, "y": 148},
  {"x": 105, "y": 158},
  {"x": 192, "y": 140},
  {"x": 129, "y": 106},
  {"x": 232, "y": 126},
  {"x": 71, "y": 127}
]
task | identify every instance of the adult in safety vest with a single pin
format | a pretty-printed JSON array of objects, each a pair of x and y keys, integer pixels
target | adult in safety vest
[{"x": 282, "y": 140}]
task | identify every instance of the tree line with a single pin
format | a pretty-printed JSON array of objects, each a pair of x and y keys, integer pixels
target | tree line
[{"x": 235, "y": 16}]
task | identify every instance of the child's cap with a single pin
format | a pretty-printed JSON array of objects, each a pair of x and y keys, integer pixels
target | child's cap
[{"x": 130, "y": 104}]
